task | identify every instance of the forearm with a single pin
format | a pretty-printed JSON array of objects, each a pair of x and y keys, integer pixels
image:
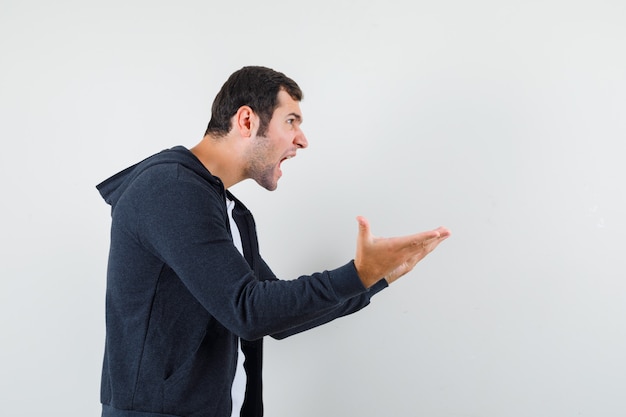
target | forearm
[{"x": 350, "y": 306}]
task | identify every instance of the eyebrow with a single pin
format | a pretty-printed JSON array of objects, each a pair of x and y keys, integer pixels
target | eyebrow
[{"x": 296, "y": 115}]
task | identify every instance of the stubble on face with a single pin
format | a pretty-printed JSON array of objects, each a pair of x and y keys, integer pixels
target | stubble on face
[{"x": 261, "y": 166}]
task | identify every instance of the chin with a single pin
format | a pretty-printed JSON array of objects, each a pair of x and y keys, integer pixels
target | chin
[{"x": 269, "y": 186}]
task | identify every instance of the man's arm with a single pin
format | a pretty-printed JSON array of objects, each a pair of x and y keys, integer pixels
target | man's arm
[
  {"x": 397, "y": 255},
  {"x": 352, "y": 305}
]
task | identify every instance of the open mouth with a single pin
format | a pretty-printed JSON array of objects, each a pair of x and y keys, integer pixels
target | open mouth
[
  {"x": 285, "y": 158},
  {"x": 280, "y": 171}
]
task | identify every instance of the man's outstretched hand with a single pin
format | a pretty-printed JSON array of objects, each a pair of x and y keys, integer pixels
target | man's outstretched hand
[{"x": 391, "y": 258}]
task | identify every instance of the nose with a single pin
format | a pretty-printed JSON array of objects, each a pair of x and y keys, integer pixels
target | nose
[{"x": 300, "y": 140}]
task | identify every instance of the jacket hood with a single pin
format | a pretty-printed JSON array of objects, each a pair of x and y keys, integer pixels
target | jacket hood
[{"x": 112, "y": 188}]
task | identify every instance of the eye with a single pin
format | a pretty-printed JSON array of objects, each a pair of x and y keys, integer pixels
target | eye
[{"x": 290, "y": 121}]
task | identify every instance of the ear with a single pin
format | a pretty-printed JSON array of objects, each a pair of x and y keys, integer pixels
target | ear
[{"x": 246, "y": 121}]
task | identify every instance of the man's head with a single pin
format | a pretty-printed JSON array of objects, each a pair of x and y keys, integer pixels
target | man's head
[{"x": 253, "y": 86}]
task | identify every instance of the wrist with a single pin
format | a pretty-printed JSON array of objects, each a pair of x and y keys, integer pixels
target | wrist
[{"x": 367, "y": 277}]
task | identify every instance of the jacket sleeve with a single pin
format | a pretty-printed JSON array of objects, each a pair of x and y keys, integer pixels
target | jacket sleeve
[
  {"x": 351, "y": 306},
  {"x": 184, "y": 223}
]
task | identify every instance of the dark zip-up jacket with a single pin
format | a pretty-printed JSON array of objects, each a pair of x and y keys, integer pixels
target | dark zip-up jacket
[{"x": 179, "y": 294}]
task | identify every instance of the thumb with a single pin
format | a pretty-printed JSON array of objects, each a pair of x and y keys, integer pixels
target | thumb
[{"x": 364, "y": 228}]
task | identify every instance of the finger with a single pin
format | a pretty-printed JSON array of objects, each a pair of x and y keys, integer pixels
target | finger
[
  {"x": 431, "y": 244},
  {"x": 416, "y": 241},
  {"x": 444, "y": 232}
]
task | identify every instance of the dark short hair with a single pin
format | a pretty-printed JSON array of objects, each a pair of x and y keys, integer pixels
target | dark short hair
[{"x": 252, "y": 86}]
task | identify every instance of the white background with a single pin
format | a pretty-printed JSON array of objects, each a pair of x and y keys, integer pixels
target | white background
[{"x": 502, "y": 120}]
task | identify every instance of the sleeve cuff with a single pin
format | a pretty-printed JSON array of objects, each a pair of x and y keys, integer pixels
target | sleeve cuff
[
  {"x": 346, "y": 282},
  {"x": 378, "y": 287}
]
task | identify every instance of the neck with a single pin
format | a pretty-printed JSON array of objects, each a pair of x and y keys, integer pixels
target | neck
[{"x": 221, "y": 157}]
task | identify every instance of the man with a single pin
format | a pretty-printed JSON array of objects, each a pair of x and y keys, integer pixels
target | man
[{"x": 189, "y": 298}]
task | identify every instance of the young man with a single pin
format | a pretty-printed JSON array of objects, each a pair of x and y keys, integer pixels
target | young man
[{"x": 189, "y": 298}]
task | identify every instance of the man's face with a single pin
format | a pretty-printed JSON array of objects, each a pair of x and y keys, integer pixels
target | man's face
[{"x": 282, "y": 139}]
